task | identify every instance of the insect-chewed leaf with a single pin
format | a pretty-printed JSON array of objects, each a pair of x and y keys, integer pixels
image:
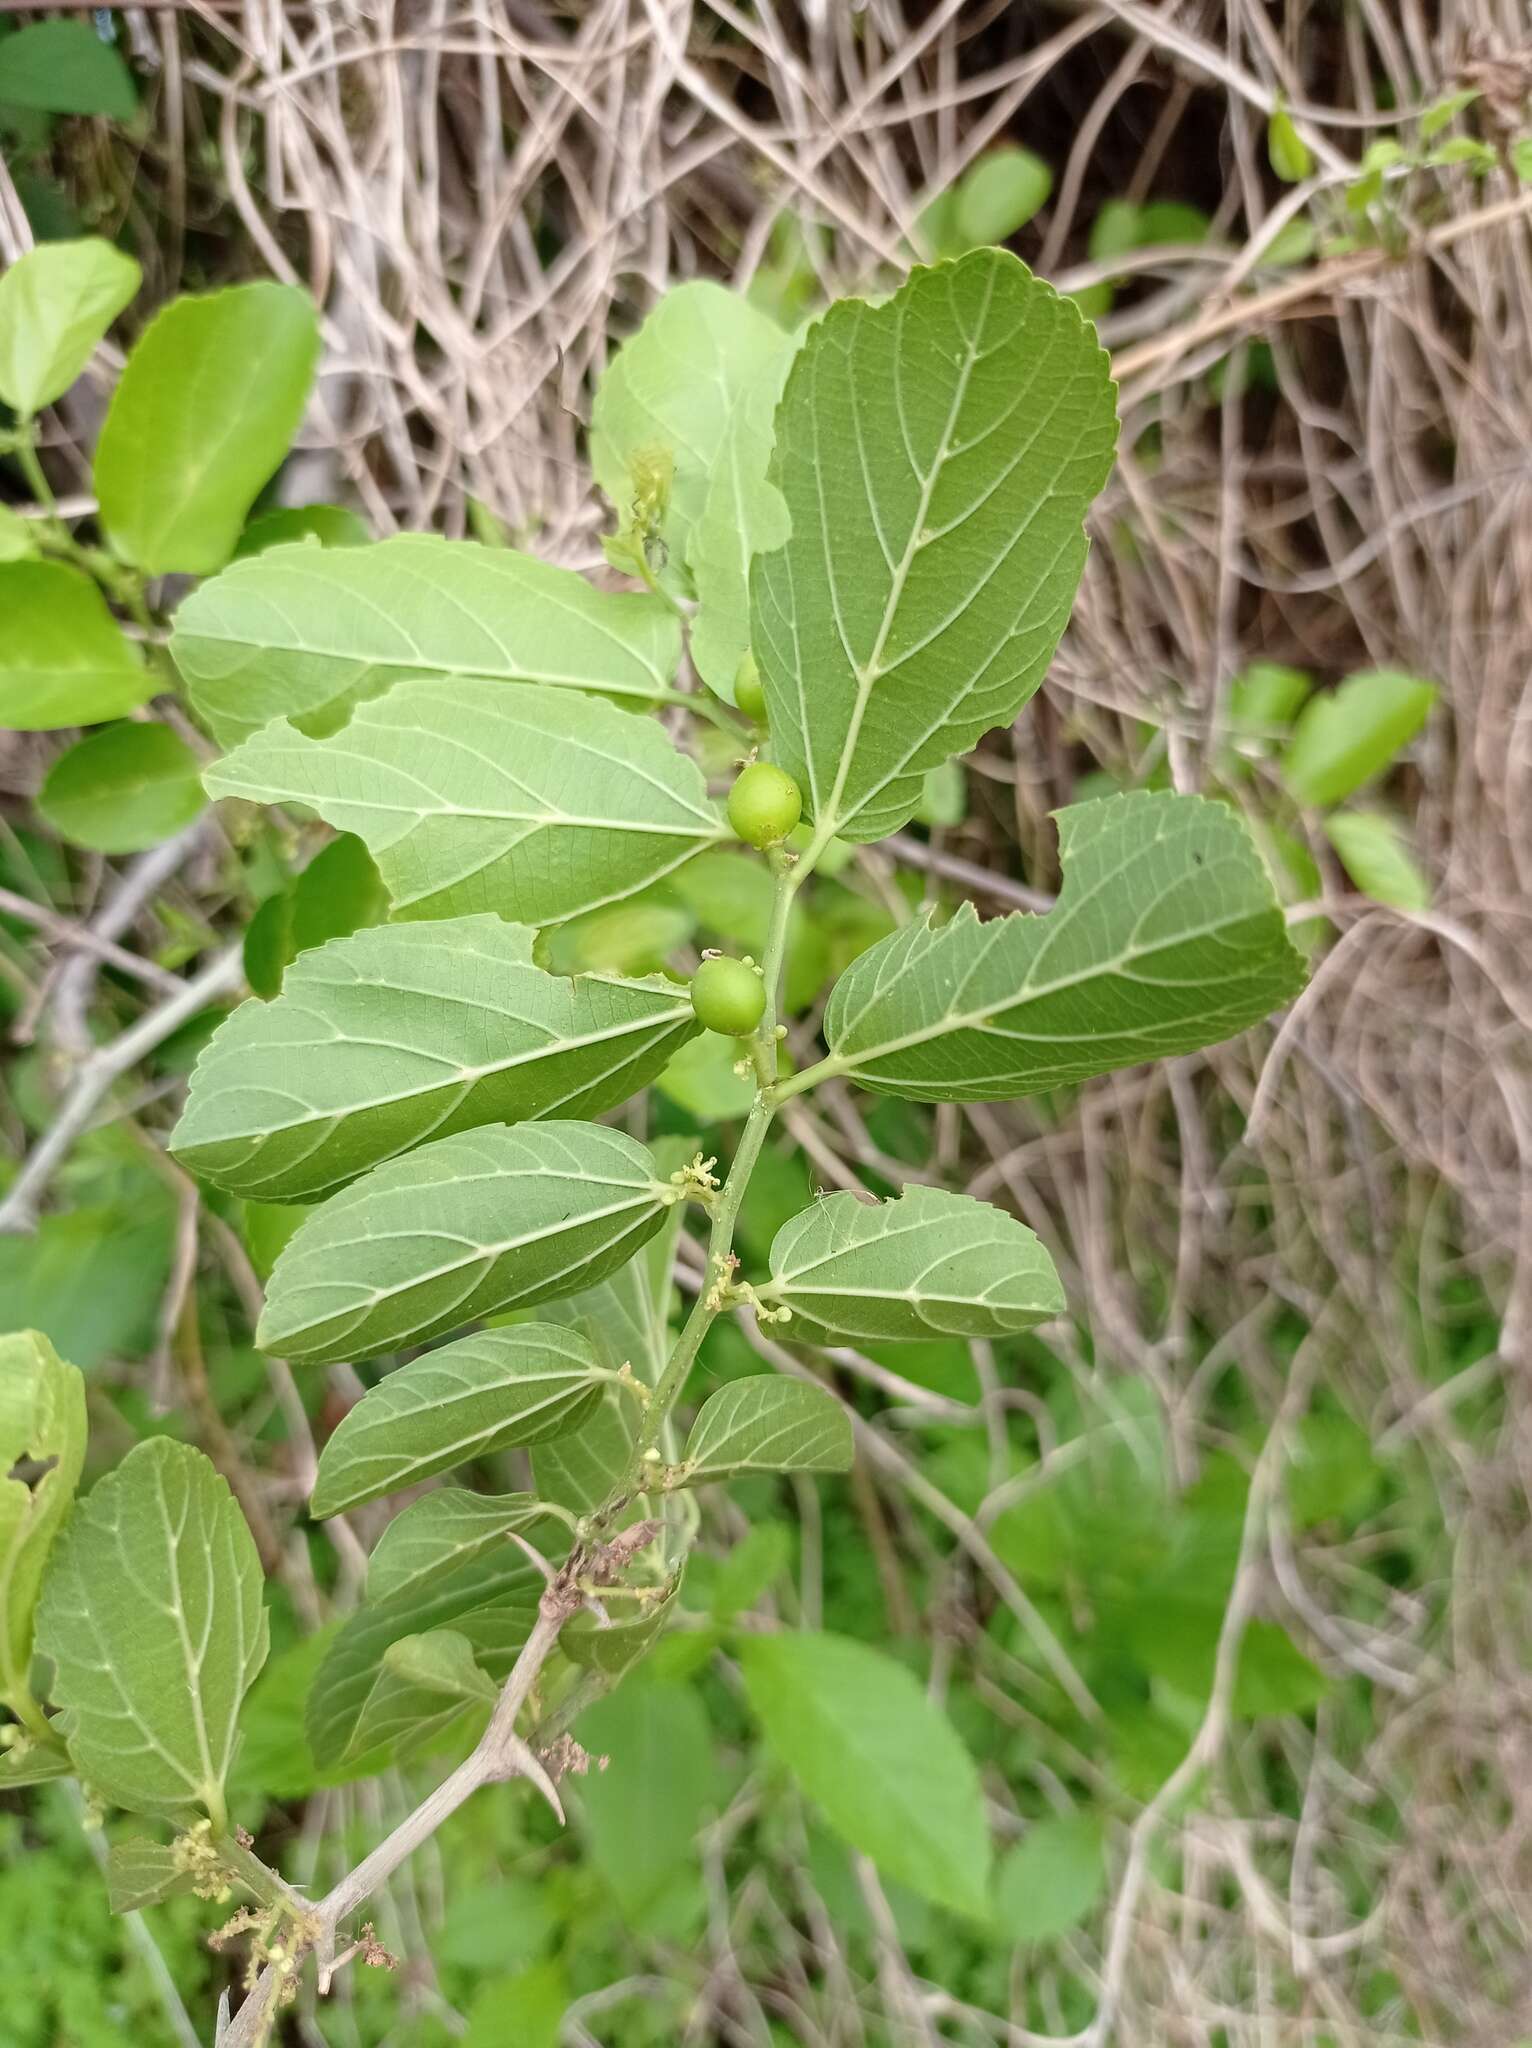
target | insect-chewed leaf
[
  {"x": 937, "y": 453},
  {"x": 466, "y": 1226},
  {"x": 930, "y": 1264},
  {"x": 409, "y": 1032},
  {"x": 765, "y": 1424},
  {"x": 307, "y": 634},
  {"x": 153, "y": 1615},
  {"x": 444, "y": 1530},
  {"x": 533, "y": 804},
  {"x": 361, "y": 1714},
  {"x": 668, "y": 393},
  {"x": 489, "y": 1392},
  {"x": 42, "y": 1447},
  {"x": 858, "y": 1732},
  {"x": 142, "y": 1873},
  {"x": 1166, "y": 937}
]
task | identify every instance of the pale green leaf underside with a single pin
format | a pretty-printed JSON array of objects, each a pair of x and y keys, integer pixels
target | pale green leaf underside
[
  {"x": 929, "y": 1264},
  {"x": 488, "y": 1220},
  {"x": 442, "y": 1531},
  {"x": 672, "y": 388},
  {"x": 486, "y": 1393},
  {"x": 582, "y": 1471},
  {"x": 153, "y": 1616},
  {"x": 42, "y": 1422},
  {"x": 743, "y": 515},
  {"x": 306, "y": 634},
  {"x": 475, "y": 796},
  {"x": 32, "y": 1763},
  {"x": 63, "y": 658},
  {"x": 361, "y": 1714},
  {"x": 56, "y": 303},
  {"x": 615, "y": 1645},
  {"x": 142, "y": 1873},
  {"x": 858, "y": 1733},
  {"x": 765, "y": 1424},
  {"x": 937, "y": 454},
  {"x": 1166, "y": 937},
  {"x": 210, "y": 398},
  {"x": 440, "y": 1661},
  {"x": 407, "y": 1032}
]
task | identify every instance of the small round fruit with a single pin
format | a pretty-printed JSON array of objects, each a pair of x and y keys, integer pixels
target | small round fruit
[
  {"x": 748, "y": 694},
  {"x": 728, "y": 996},
  {"x": 764, "y": 804}
]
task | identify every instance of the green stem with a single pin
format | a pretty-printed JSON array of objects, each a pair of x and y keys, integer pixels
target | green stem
[
  {"x": 789, "y": 875},
  {"x": 32, "y": 469}
]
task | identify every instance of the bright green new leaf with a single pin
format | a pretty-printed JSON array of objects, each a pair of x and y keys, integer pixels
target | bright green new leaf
[
  {"x": 486, "y": 1393},
  {"x": 122, "y": 789},
  {"x": 409, "y": 1032},
  {"x": 325, "y": 526},
  {"x": 534, "y": 804},
  {"x": 1347, "y": 736},
  {"x": 64, "y": 67},
  {"x": 669, "y": 391},
  {"x": 1266, "y": 697},
  {"x": 42, "y": 1447},
  {"x": 1166, "y": 937},
  {"x": 1291, "y": 157},
  {"x": 488, "y": 1220},
  {"x": 142, "y": 1873},
  {"x": 442, "y": 1531},
  {"x": 440, "y": 1661},
  {"x": 930, "y": 1264},
  {"x": 204, "y": 412},
  {"x": 996, "y": 196},
  {"x": 742, "y": 515},
  {"x": 643, "y": 1811},
  {"x": 56, "y": 303},
  {"x": 63, "y": 658},
  {"x": 766, "y": 1424},
  {"x": 865, "y": 1743},
  {"x": 1376, "y": 855},
  {"x": 938, "y": 454},
  {"x": 154, "y": 1618},
  {"x": 1443, "y": 112},
  {"x": 1052, "y": 1878},
  {"x": 18, "y": 537},
  {"x": 308, "y": 633},
  {"x": 360, "y": 1714}
]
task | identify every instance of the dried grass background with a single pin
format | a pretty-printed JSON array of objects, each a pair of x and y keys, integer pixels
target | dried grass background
[{"x": 485, "y": 195}]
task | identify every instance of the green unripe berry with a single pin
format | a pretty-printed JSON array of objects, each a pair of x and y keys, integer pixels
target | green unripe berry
[
  {"x": 764, "y": 804},
  {"x": 748, "y": 694},
  {"x": 728, "y": 996}
]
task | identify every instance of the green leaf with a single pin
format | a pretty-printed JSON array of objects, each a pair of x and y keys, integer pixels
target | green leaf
[
  {"x": 1521, "y": 158},
  {"x": 582, "y": 1471},
  {"x": 1166, "y": 937},
  {"x": 338, "y": 893},
  {"x": 1291, "y": 158},
  {"x": 486, "y": 1393},
  {"x": 996, "y": 196},
  {"x": 444, "y": 1530},
  {"x": 205, "y": 410},
  {"x": 122, "y": 789},
  {"x": 325, "y": 526},
  {"x": 742, "y": 515},
  {"x": 765, "y": 1424},
  {"x": 930, "y": 1264},
  {"x": 93, "y": 1278},
  {"x": 42, "y": 1448},
  {"x": 63, "y": 659},
  {"x": 32, "y": 1763},
  {"x": 1443, "y": 112},
  {"x": 56, "y": 303},
  {"x": 670, "y": 390},
  {"x": 1376, "y": 855},
  {"x": 937, "y": 454},
  {"x": 64, "y": 67},
  {"x": 309, "y": 633},
  {"x": 534, "y": 804},
  {"x": 142, "y": 1873},
  {"x": 614, "y": 1646},
  {"x": 487, "y": 1220},
  {"x": 411, "y": 1032},
  {"x": 701, "y": 1079},
  {"x": 1266, "y": 697},
  {"x": 360, "y": 1714},
  {"x": 1051, "y": 1880},
  {"x": 18, "y": 540},
  {"x": 153, "y": 1615},
  {"x": 1348, "y": 735},
  {"x": 527, "y": 2007},
  {"x": 440, "y": 1661},
  {"x": 867, "y": 1745},
  {"x": 642, "y": 1812}
]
